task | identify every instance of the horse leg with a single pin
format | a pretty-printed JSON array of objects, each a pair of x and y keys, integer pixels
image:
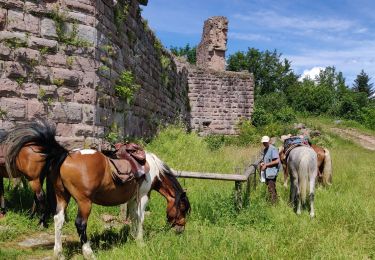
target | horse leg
[
  {"x": 2, "y": 199},
  {"x": 285, "y": 169},
  {"x": 39, "y": 200},
  {"x": 312, "y": 197},
  {"x": 84, "y": 209},
  {"x": 136, "y": 214},
  {"x": 62, "y": 202}
]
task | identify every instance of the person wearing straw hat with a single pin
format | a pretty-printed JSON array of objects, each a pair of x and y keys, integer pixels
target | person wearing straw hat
[{"x": 270, "y": 166}]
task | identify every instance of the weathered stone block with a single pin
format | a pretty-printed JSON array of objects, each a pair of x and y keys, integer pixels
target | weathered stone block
[
  {"x": 27, "y": 55},
  {"x": 69, "y": 77},
  {"x": 77, "y": 5},
  {"x": 12, "y": 4},
  {"x": 42, "y": 74},
  {"x": 48, "y": 28},
  {"x": 6, "y": 35},
  {"x": 85, "y": 95},
  {"x": 14, "y": 70},
  {"x": 71, "y": 143},
  {"x": 65, "y": 94},
  {"x": 35, "y": 109},
  {"x": 38, "y": 43},
  {"x": 88, "y": 113},
  {"x": 5, "y": 52},
  {"x": 3, "y": 18},
  {"x": 14, "y": 108},
  {"x": 57, "y": 60},
  {"x": 19, "y": 21},
  {"x": 83, "y": 130},
  {"x": 30, "y": 90},
  {"x": 8, "y": 88},
  {"x": 63, "y": 129},
  {"x": 67, "y": 112}
]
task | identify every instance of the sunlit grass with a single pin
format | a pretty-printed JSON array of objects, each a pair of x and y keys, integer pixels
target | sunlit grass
[{"x": 344, "y": 226}]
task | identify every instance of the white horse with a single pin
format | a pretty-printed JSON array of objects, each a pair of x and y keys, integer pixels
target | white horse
[{"x": 303, "y": 170}]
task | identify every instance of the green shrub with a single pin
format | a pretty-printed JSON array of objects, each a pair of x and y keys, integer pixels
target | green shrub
[
  {"x": 367, "y": 117},
  {"x": 247, "y": 133},
  {"x": 285, "y": 115},
  {"x": 215, "y": 142},
  {"x": 261, "y": 117},
  {"x": 126, "y": 87}
]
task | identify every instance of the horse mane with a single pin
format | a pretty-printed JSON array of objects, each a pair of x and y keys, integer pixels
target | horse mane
[{"x": 167, "y": 172}]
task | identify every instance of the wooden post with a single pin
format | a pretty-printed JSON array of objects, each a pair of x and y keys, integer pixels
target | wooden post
[
  {"x": 247, "y": 194},
  {"x": 238, "y": 195}
]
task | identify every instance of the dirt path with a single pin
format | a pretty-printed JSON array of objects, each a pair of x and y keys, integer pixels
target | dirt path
[{"x": 365, "y": 140}]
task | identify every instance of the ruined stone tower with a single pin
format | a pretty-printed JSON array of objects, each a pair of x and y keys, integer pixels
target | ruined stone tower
[{"x": 211, "y": 50}]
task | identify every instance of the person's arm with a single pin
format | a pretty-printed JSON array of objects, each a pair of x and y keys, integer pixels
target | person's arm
[{"x": 275, "y": 161}]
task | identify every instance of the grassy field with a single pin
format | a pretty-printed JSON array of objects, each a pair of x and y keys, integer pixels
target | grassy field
[{"x": 344, "y": 226}]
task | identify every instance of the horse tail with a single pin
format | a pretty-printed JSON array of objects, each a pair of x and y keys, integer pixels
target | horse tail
[
  {"x": 39, "y": 133},
  {"x": 327, "y": 170},
  {"x": 304, "y": 169}
]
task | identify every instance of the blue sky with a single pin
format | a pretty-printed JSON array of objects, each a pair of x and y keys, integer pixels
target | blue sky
[{"x": 310, "y": 34}]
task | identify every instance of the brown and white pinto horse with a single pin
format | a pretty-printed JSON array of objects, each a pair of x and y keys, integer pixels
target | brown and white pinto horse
[
  {"x": 324, "y": 165},
  {"x": 86, "y": 175},
  {"x": 26, "y": 147}
]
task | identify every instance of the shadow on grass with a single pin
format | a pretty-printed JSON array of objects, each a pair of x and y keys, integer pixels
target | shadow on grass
[{"x": 105, "y": 240}]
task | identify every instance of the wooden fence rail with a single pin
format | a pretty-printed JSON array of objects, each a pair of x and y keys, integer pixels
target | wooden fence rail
[{"x": 238, "y": 179}]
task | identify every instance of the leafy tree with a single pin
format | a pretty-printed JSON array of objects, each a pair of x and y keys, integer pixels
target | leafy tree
[
  {"x": 187, "y": 51},
  {"x": 362, "y": 84},
  {"x": 271, "y": 72}
]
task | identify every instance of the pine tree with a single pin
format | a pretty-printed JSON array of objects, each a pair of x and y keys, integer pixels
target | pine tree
[{"x": 362, "y": 84}]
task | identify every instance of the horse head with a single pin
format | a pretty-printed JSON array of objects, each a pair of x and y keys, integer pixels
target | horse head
[{"x": 178, "y": 210}]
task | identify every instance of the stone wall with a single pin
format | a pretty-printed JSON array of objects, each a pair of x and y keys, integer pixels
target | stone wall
[
  {"x": 218, "y": 99},
  {"x": 61, "y": 59},
  {"x": 211, "y": 49}
]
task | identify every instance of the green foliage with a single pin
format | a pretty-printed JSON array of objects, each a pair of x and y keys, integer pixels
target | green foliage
[
  {"x": 367, "y": 117},
  {"x": 60, "y": 19},
  {"x": 69, "y": 61},
  {"x": 248, "y": 134},
  {"x": 3, "y": 113},
  {"x": 271, "y": 73},
  {"x": 188, "y": 52},
  {"x": 113, "y": 134},
  {"x": 20, "y": 81},
  {"x": 15, "y": 43},
  {"x": 120, "y": 12},
  {"x": 126, "y": 87},
  {"x": 42, "y": 94},
  {"x": 261, "y": 117},
  {"x": 108, "y": 49},
  {"x": 58, "y": 82},
  {"x": 362, "y": 84},
  {"x": 158, "y": 46}
]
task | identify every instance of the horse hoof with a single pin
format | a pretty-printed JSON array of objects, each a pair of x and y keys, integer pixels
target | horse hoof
[
  {"x": 58, "y": 256},
  {"x": 2, "y": 215},
  {"x": 312, "y": 215},
  {"x": 87, "y": 252}
]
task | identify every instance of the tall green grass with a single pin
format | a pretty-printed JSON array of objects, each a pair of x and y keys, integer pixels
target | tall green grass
[{"x": 344, "y": 226}]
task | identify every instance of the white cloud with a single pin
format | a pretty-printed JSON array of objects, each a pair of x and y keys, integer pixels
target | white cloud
[
  {"x": 350, "y": 61},
  {"x": 311, "y": 73}
]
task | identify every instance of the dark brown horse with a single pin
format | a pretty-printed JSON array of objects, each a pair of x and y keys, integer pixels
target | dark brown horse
[
  {"x": 324, "y": 165},
  {"x": 86, "y": 175},
  {"x": 26, "y": 147}
]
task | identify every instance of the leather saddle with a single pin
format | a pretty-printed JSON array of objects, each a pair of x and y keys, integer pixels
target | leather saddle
[{"x": 129, "y": 162}]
